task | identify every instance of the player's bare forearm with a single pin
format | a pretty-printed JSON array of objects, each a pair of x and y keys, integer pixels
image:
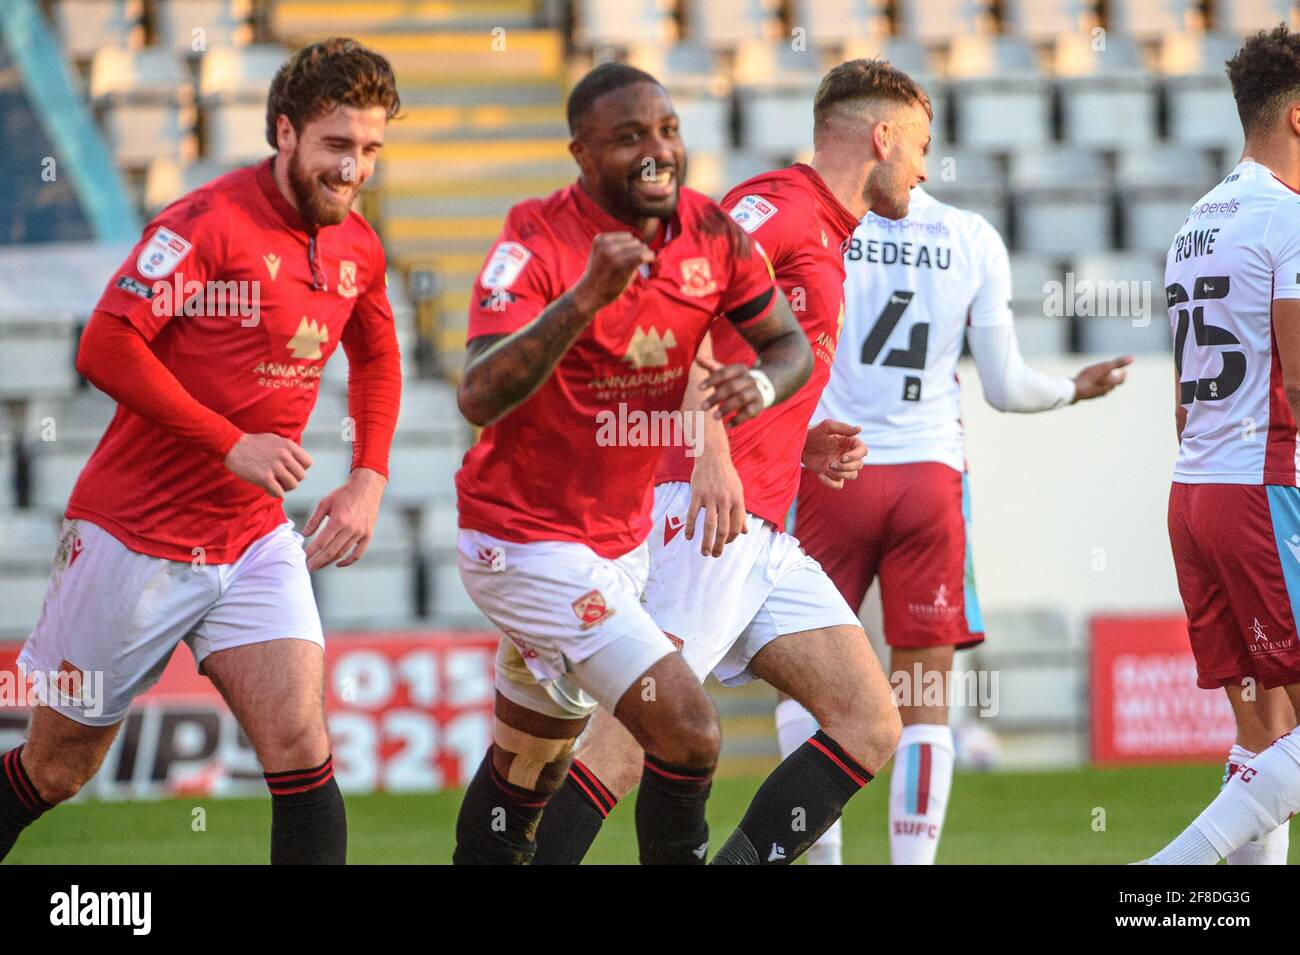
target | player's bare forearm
[
  {"x": 782, "y": 347},
  {"x": 1286, "y": 333},
  {"x": 713, "y": 446},
  {"x": 502, "y": 371}
]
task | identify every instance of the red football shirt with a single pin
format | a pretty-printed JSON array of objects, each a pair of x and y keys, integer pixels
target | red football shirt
[
  {"x": 801, "y": 226},
  {"x": 258, "y": 368},
  {"x": 570, "y": 463}
]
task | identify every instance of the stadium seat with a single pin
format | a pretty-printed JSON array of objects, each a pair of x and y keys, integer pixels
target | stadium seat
[
  {"x": 240, "y": 74},
  {"x": 8, "y": 463},
  {"x": 1042, "y": 677},
  {"x": 726, "y": 24},
  {"x": 1243, "y": 17},
  {"x": 1042, "y": 21},
  {"x": 939, "y": 21},
  {"x": 1037, "y": 332},
  {"x": 970, "y": 180},
  {"x": 28, "y": 542},
  {"x": 827, "y": 24},
  {"x": 59, "y": 435},
  {"x": 1156, "y": 188},
  {"x": 1147, "y": 20},
  {"x": 999, "y": 99},
  {"x": 328, "y": 439},
  {"x": 427, "y": 449},
  {"x": 167, "y": 179},
  {"x": 37, "y": 355},
  {"x": 1108, "y": 98},
  {"x": 1201, "y": 109},
  {"x": 87, "y": 26},
  {"x": 449, "y": 603},
  {"x": 1129, "y": 288},
  {"x": 235, "y": 133},
  {"x": 774, "y": 89},
  {"x": 199, "y": 26},
  {"x": 147, "y": 101},
  {"x": 599, "y": 23},
  {"x": 377, "y": 592},
  {"x": 1062, "y": 201}
]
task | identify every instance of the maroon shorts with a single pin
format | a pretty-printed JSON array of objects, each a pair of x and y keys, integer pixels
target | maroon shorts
[
  {"x": 907, "y": 523},
  {"x": 1237, "y": 553}
]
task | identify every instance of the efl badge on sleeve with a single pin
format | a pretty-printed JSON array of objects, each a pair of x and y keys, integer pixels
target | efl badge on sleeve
[
  {"x": 161, "y": 254},
  {"x": 592, "y": 609},
  {"x": 507, "y": 262},
  {"x": 752, "y": 211}
]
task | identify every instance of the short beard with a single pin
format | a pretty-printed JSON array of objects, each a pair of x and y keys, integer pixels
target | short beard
[
  {"x": 885, "y": 197},
  {"x": 314, "y": 209}
]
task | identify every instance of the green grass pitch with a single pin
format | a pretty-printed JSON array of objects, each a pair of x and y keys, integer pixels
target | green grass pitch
[{"x": 1081, "y": 816}]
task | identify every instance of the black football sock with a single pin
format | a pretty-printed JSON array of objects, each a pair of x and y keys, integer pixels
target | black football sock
[
  {"x": 573, "y": 818},
  {"x": 796, "y": 804},
  {"x": 497, "y": 824},
  {"x": 309, "y": 825},
  {"x": 670, "y": 824},
  {"x": 20, "y": 803}
]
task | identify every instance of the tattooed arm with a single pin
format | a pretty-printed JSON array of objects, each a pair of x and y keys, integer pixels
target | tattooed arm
[{"x": 502, "y": 371}]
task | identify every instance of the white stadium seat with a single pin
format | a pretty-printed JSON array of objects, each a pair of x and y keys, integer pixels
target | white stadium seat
[
  {"x": 240, "y": 73},
  {"x": 828, "y": 23},
  {"x": 1041, "y": 21},
  {"x": 939, "y": 21},
  {"x": 377, "y": 592},
  {"x": 725, "y": 24},
  {"x": 1117, "y": 278},
  {"x": 1202, "y": 111},
  {"x": 600, "y": 23},
  {"x": 1037, "y": 332},
  {"x": 774, "y": 88},
  {"x": 1108, "y": 98},
  {"x": 1244, "y": 17},
  {"x": 167, "y": 179},
  {"x": 1156, "y": 188},
  {"x": 969, "y": 180},
  {"x": 1000, "y": 99},
  {"x": 147, "y": 100},
  {"x": 37, "y": 355},
  {"x": 87, "y": 26},
  {"x": 1147, "y": 19},
  {"x": 236, "y": 132},
  {"x": 28, "y": 542},
  {"x": 199, "y": 26},
  {"x": 1062, "y": 199}
]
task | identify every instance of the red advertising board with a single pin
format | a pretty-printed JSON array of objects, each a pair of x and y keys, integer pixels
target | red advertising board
[
  {"x": 407, "y": 712},
  {"x": 1145, "y": 706}
]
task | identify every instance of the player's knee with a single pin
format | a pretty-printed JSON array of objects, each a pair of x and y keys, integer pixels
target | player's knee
[
  {"x": 59, "y": 781},
  {"x": 869, "y": 736},
  {"x": 294, "y": 746},
  {"x": 530, "y": 762},
  {"x": 693, "y": 741}
]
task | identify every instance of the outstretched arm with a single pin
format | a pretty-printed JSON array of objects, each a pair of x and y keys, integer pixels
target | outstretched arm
[{"x": 1011, "y": 385}]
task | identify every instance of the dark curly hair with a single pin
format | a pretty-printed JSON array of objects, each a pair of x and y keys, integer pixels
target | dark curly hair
[
  {"x": 1264, "y": 74},
  {"x": 867, "y": 79},
  {"x": 605, "y": 78},
  {"x": 333, "y": 72}
]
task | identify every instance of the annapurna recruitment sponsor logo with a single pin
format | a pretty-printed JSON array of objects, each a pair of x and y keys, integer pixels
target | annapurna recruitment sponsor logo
[{"x": 78, "y": 908}]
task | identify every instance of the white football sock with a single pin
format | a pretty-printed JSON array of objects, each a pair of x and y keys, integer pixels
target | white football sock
[
  {"x": 794, "y": 725},
  {"x": 1255, "y": 801},
  {"x": 1267, "y": 850},
  {"x": 918, "y": 793}
]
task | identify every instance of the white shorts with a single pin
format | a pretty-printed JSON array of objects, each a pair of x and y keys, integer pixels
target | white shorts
[
  {"x": 725, "y": 609},
  {"x": 117, "y": 615},
  {"x": 577, "y": 632}
]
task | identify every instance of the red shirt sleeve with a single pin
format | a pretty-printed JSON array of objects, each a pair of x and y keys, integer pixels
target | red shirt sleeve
[
  {"x": 184, "y": 243},
  {"x": 515, "y": 284},
  {"x": 115, "y": 358},
  {"x": 751, "y": 286},
  {"x": 374, "y": 370}
]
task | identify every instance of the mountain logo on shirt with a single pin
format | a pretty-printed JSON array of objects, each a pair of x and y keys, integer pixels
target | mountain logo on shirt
[
  {"x": 307, "y": 340},
  {"x": 649, "y": 349},
  {"x": 348, "y": 278},
  {"x": 697, "y": 278}
]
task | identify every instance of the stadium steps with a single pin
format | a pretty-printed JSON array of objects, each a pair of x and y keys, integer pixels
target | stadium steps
[{"x": 315, "y": 18}]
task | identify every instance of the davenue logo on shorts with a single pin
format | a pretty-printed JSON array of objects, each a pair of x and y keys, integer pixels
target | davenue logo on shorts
[{"x": 592, "y": 609}]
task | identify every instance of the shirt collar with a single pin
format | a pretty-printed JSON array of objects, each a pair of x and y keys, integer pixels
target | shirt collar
[
  {"x": 595, "y": 216},
  {"x": 846, "y": 221}
]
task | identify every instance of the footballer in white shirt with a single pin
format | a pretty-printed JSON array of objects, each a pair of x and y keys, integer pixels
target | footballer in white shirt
[
  {"x": 1232, "y": 284},
  {"x": 915, "y": 289}
]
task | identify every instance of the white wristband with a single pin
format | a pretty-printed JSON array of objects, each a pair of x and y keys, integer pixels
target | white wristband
[{"x": 765, "y": 387}]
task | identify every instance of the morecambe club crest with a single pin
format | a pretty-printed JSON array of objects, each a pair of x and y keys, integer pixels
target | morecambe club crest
[
  {"x": 697, "y": 278},
  {"x": 592, "y": 609}
]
